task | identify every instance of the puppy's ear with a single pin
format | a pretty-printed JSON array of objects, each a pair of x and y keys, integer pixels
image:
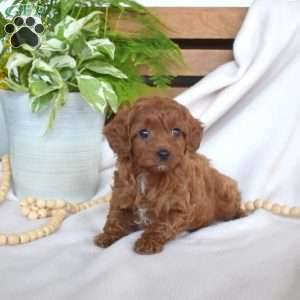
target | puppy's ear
[
  {"x": 117, "y": 132},
  {"x": 195, "y": 132}
]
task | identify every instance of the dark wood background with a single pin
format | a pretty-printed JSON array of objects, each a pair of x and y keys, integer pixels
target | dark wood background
[{"x": 206, "y": 37}]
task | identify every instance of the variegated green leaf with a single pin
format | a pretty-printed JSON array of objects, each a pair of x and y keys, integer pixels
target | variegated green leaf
[
  {"x": 67, "y": 74},
  {"x": 104, "y": 46},
  {"x": 110, "y": 96},
  {"x": 3, "y": 22},
  {"x": 59, "y": 28},
  {"x": 42, "y": 102},
  {"x": 106, "y": 69},
  {"x": 40, "y": 88},
  {"x": 40, "y": 65},
  {"x": 41, "y": 68},
  {"x": 91, "y": 90},
  {"x": 17, "y": 60},
  {"x": 58, "y": 101},
  {"x": 74, "y": 27},
  {"x": 66, "y": 6},
  {"x": 98, "y": 93},
  {"x": 53, "y": 44},
  {"x": 83, "y": 51},
  {"x": 62, "y": 61},
  {"x": 13, "y": 85}
]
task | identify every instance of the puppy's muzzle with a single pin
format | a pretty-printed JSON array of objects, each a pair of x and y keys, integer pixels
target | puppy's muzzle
[{"x": 163, "y": 154}]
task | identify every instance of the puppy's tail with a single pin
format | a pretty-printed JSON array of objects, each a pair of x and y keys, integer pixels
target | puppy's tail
[{"x": 275, "y": 208}]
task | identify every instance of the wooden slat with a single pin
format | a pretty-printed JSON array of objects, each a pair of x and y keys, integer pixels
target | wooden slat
[
  {"x": 200, "y": 62},
  {"x": 192, "y": 22},
  {"x": 171, "y": 92},
  {"x": 199, "y": 22}
]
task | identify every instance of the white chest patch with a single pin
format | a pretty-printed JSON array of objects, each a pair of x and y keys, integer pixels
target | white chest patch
[
  {"x": 142, "y": 218},
  {"x": 142, "y": 183},
  {"x": 141, "y": 212}
]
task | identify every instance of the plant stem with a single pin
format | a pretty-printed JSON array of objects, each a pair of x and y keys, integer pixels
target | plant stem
[
  {"x": 119, "y": 18},
  {"x": 106, "y": 20},
  {"x": 72, "y": 10},
  {"x": 79, "y": 10}
]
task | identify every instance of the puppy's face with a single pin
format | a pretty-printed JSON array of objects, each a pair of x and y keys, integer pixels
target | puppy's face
[
  {"x": 158, "y": 137},
  {"x": 154, "y": 133}
]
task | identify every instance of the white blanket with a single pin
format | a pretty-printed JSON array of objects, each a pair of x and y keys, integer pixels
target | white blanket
[{"x": 252, "y": 112}]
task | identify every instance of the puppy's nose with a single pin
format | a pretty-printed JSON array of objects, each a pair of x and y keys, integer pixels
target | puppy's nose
[{"x": 163, "y": 154}]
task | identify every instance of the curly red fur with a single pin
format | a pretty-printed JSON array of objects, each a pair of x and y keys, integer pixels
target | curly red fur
[{"x": 163, "y": 197}]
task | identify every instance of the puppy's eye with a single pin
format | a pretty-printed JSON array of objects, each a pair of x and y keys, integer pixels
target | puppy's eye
[
  {"x": 176, "y": 132},
  {"x": 144, "y": 134}
]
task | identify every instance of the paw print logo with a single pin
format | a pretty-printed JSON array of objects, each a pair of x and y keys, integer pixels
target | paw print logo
[{"x": 24, "y": 30}]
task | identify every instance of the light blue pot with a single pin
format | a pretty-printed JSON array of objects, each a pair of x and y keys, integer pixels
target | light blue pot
[
  {"x": 64, "y": 163},
  {"x": 3, "y": 136}
]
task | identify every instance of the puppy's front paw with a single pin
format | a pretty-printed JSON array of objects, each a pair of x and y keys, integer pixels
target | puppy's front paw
[
  {"x": 104, "y": 240},
  {"x": 147, "y": 245}
]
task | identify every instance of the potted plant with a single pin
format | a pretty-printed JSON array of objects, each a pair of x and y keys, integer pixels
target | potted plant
[{"x": 57, "y": 95}]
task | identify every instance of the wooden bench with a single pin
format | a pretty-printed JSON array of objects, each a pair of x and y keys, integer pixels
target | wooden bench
[{"x": 206, "y": 37}]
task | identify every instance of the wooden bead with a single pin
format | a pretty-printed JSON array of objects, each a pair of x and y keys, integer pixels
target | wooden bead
[
  {"x": 25, "y": 211},
  {"x": 89, "y": 204},
  {"x": 68, "y": 207},
  {"x": 5, "y": 186},
  {"x": 34, "y": 208},
  {"x": 32, "y": 235},
  {"x": 39, "y": 232},
  {"x": 3, "y": 239},
  {"x": 267, "y": 204},
  {"x": 13, "y": 239},
  {"x": 243, "y": 206},
  {"x": 95, "y": 201},
  {"x": 51, "y": 227},
  {"x": 258, "y": 204},
  {"x": 50, "y": 204},
  {"x": 295, "y": 212},
  {"x": 6, "y": 179},
  {"x": 249, "y": 206},
  {"x": 30, "y": 200},
  {"x": 75, "y": 208},
  {"x": 41, "y": 203},
  {"x": 61, "y": 215},
  {"x": 46, "y": 230},
  {"x": 276, "y": 208},
  {"x": 54, "y": 221},
  {"x": 24, "y": 238},
  {"x": 81, "y": 207},
  {"x": 33, "y": 215},
  {"x": 54, "y": 212},
  {"x": 285, "y": 210},
  {"x": 42, "y": 213},
  {"x": 54, "y": 224},
  {"x": 60, "y": 204},
  {"x": 85, "y": 205},
  {"x": 108, "y": 198},
  {"x": 2, "y": 195},
  {"x": 23, "y": 203}
]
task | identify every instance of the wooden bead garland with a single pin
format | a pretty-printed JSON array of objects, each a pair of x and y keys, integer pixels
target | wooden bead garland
[
  {"x": 34, "y": 208},
  {"x": 5, "y": 184},
  {"x": 275, "y": 208},
  {"x": 58, "y": 210}
]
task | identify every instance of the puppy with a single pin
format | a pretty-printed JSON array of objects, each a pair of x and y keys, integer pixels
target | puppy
[{"x": 161, "y": 184}]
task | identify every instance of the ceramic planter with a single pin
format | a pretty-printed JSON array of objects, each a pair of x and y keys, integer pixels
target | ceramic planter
[
  {"x": 63, "y": 163},
  {"x": 3, "y": 137}
]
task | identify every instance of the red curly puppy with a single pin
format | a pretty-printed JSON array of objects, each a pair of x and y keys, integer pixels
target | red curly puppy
[{"x": 161, "y": 185}]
